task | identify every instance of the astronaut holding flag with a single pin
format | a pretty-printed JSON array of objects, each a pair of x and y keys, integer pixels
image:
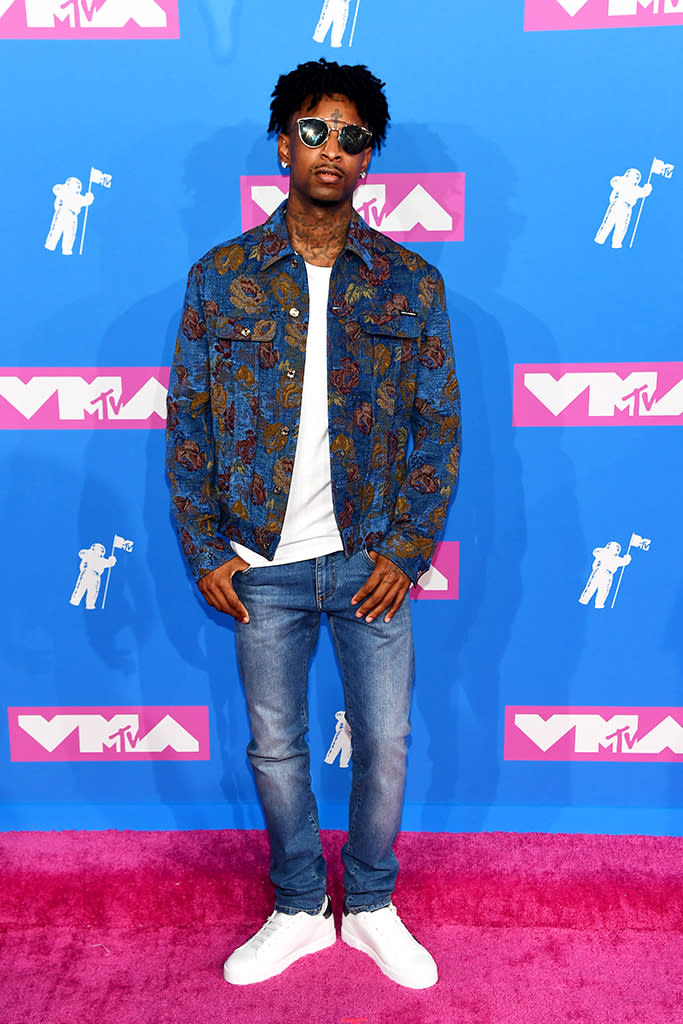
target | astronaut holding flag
[{"x": 606, "y": 561}]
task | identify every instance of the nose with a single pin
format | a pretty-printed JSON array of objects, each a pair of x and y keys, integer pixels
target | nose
[{"x": 331, "y": 147}]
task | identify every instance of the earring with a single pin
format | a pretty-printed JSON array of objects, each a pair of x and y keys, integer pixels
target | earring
[
  {"x": 284, "y": 164},
  {"x": 362, "y": 174}
]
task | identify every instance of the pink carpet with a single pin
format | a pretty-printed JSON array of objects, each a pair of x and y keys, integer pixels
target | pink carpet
[{"x": 133, "y": 927}]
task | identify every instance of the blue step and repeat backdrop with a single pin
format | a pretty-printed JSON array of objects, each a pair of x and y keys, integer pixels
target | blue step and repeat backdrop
[{"x": 535, "y": 155}]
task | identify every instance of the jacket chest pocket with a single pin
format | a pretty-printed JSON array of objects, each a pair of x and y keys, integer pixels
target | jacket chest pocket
[
  {"x": 244, "y": 351},
  {"x": 389, "y": 349}
]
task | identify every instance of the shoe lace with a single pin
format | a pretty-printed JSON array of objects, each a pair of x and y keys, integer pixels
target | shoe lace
[
  {"x": 270, "y": 928},
  {"x": 390, "y": 925}
]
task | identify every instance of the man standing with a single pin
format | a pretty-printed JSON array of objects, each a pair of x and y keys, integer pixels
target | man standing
[{"x": 311, "y": 350}]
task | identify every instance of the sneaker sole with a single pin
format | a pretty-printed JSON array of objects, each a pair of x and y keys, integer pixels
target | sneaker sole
[
  {"x": 316, "y": 946},
  {"x": 391, "y": 973}
]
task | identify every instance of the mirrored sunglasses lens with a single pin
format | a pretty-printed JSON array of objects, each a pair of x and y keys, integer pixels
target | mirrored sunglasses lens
[
  {"x": 353, "y": 138},
  {"x": 312, "y": 131}
]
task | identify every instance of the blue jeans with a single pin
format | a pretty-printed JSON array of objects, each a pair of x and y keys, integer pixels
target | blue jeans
[{"x": 285, "y": 604}]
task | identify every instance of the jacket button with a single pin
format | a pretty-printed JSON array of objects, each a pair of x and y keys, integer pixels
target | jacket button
[
  {"x": 245, "y": 332},
  {"x": 277, "y": 490},
  {"x": 291, "y": 374},
  {"x": 294, "y": 263},
  {"x": 294, "y": 312},
  {"x": 284, "y": 431}
]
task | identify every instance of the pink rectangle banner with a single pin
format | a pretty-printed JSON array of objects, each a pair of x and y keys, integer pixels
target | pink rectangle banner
[
  {"x": 593, "y": 734},
  {"x": 425, "y": 207},
  {"x": 89, "y": 19},
  {"x": 597, "y": 394},
  {"x": 441, "y": 581},
  {"x": 559, "y": 15},
  {"x": 83, "y": 398},
  {"x": 109, "y": 733}
]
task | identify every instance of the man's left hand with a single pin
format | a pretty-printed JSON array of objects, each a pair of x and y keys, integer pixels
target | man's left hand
[{"x": 384, "y": 590}]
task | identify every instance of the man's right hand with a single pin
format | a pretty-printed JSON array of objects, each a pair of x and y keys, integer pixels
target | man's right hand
[{"x": 217, "y": 590}]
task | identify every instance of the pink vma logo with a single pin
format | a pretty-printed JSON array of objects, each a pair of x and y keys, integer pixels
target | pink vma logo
[
  {"x": 442, "y": 580},
  {"x": 79, "y": 398},
  {"x": 593, "y": 734},
  {"x": 597, "y": 394},
  {"x": 553, "y": 15},
  {"x": 109, "y": 734},
  {"x": 89, "y": 19},
  {"x": 426, "y": 207}
]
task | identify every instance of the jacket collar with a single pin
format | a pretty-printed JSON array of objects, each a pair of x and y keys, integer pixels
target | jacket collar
[{"x": 274, "y": 243}]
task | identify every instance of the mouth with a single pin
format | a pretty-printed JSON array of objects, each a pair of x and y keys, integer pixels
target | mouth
[{"x": 328, "y": 175}]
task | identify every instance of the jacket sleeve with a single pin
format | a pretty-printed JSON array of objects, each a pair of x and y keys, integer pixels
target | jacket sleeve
[
  {"x": 423, "y": 499},
  {"x": 190, "y": 460}
]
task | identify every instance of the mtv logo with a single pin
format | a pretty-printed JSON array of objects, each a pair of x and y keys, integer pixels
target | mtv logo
[
  {"x": 441, "y": 582},
  {"x": 427, "y": 207},
  {"x": 556, "y": 15},
  {"x": 82, "y": 398},
  {"x": 593, "y": 734},
  {"x": 89, "y": 19},
  {"x": 109, "y": 734},
  {"x": 597, "y": 394}
]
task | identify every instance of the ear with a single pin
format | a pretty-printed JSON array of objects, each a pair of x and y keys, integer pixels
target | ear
[
  {"x": 365, "y": 163},
  {"x": 283, "y": 149}
]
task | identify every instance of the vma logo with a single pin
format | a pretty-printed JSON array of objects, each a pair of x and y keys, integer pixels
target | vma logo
[
  {"x": 407, "y": 207},
  {"x": 541, "y": 15},
  {"x": 80, "y": 398},
  {"x": 597, "y": 394},
  {"x": 442, "y": 579},
  {"x": 593, "y": 734},
  {"x": 89, "y": 19},
  {"x": 109, "y": 734}
]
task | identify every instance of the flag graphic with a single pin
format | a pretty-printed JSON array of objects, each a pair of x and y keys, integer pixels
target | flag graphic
[
  {"x": 100, "y": 178},
  {"x": 640, "y": 542},
  {"x": 659, "y": 167},
  {"x": 127, "y": 545}
]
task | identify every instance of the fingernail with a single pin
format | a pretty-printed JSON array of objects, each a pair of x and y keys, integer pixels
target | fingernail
[
  {"x": 370, "y": 618},
  {"x": 359, "y": 615}
]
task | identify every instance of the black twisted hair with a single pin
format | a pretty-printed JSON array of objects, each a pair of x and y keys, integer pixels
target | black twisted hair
[{"x": 318, "y": 78}]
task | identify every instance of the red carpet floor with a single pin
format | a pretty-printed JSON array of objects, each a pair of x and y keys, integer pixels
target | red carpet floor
[{"x": 132, "y": 928}]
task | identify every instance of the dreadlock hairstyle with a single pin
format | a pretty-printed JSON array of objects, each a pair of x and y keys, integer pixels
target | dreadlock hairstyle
[{"x": 318, "y": 78}]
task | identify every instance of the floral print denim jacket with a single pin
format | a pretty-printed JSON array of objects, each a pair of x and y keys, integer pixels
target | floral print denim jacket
[{"x": 235, "y": 397}]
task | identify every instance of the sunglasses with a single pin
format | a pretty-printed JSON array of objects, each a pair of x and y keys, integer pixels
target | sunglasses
[{"x": 315, "y": 131}]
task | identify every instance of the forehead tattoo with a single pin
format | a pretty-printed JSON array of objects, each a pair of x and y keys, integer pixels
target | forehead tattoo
[{"x": 335, "y": 118}]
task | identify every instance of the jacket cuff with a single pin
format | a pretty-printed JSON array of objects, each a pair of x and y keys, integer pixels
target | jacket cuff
[{"x": 412, "y": 556}]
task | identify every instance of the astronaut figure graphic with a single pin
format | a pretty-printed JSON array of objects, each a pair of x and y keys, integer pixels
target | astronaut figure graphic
[
  {"x": 94, "y": 561},
  {"x": 626, "y": 191},
  {"x": 606, "y": 561},
  {"x": 341, "y": 742},
  {"x": 68, "y": 204},
  {"x": 332, "y": 17}
]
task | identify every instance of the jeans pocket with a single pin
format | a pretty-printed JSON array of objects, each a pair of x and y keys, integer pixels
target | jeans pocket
[{"x": 366, "y": 555}]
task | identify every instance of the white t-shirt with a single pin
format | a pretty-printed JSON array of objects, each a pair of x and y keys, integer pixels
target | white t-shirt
[{"x": 310, "y": 528}]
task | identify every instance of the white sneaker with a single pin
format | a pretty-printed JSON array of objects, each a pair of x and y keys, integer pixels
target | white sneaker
[
  {"x": 384, "y": 937},
  {"x": 282, "y": 940}
]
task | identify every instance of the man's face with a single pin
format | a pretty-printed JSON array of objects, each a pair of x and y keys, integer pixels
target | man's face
[{"x": 326, "y": 175}]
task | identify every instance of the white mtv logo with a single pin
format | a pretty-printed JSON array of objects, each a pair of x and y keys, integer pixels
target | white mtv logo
[
  {"x": 418, "y": 207},
  {"x": 594, "y": 733},
  {"x": 625, "y": 8},
  {"x": 90, "y": 13},
  {"x": 120, "y": 733},
  {"x": 607, "y": 392},
  {"x": 76, "y": 397}
]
